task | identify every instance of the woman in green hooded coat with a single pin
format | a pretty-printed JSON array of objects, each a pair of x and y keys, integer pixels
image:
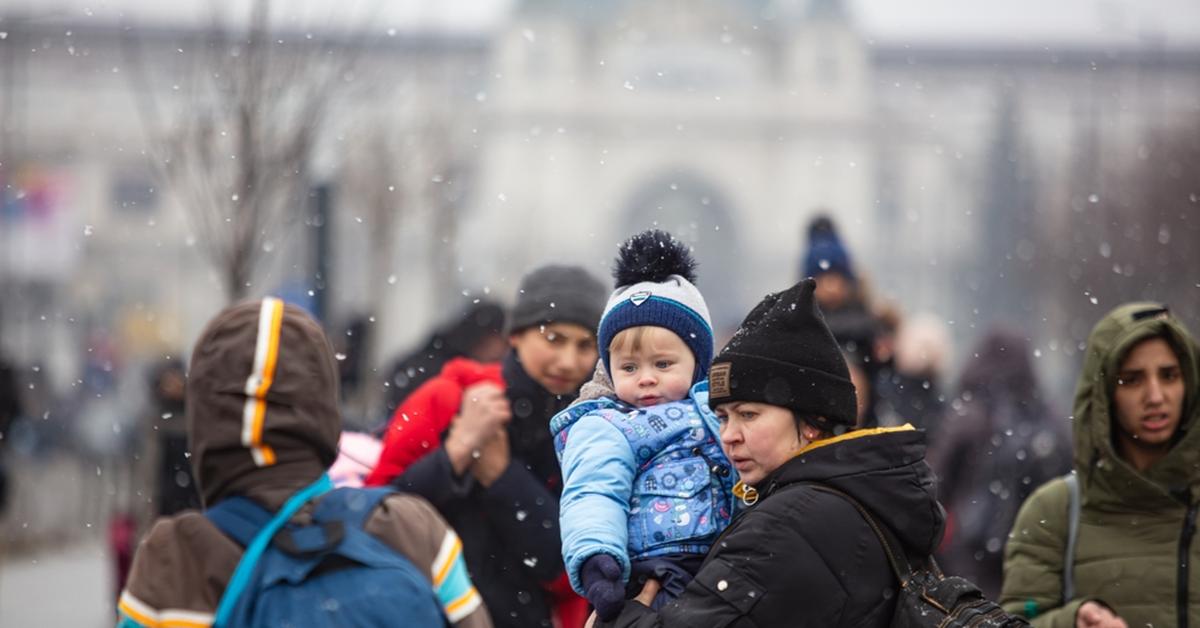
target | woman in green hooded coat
[{"x": 1137, "y": 461}]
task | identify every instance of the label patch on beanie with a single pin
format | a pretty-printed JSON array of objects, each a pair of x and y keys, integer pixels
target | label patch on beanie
[
  {"x": 639, "y": 298},
  {"x": 718, "y": 380}
]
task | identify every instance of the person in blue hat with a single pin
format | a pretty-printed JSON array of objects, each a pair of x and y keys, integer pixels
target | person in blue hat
[{"x": 841, "y": 296}]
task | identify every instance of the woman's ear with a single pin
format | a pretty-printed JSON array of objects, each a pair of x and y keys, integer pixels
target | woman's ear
[{"x": 808, "y": 432}]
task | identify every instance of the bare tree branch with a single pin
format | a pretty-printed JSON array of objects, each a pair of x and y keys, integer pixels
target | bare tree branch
[
  {"x": 1131, "y": 230},
  {"x": 236, "y": 149}
]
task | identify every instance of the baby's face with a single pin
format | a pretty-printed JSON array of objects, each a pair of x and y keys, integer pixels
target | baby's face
[{"x": 654, "y": 367}]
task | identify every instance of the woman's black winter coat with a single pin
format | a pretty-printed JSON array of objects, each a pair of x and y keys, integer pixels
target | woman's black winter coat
[{"x": 803, "y": 557}]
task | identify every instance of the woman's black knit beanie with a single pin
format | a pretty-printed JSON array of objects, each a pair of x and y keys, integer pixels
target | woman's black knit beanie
[{"x": 783, "y": 354}]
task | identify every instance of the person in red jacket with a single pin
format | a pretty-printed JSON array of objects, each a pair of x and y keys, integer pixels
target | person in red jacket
[
  {"x": 417, "y": 425},
  {"x": 475, "y": 441}
]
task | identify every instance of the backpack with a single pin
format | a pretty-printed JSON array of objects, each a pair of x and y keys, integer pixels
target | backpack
[
  {"x": 927, "y": 597},
  {"x": 331, "y": 572}
]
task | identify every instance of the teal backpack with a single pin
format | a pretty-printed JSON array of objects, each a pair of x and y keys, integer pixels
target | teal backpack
[{"x": 331, "y": 572}]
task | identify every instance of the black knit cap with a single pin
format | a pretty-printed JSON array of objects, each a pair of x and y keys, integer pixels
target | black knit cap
[
  {"x": 557, "y": 294},
  {"x": 783, "y": 354}
]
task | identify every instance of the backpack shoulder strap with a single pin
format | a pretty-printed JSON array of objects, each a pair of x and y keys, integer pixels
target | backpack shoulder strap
[
  {"x": 239, "y": 518},
  {"x": 1073, "y": 508},
  {"x": 897, "y": 559},
  {"x": 254, "y": 550},
  {"x": 352, "y": 506}
]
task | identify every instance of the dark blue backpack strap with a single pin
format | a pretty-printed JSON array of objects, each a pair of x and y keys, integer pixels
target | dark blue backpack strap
[
  {"x": 353, "y": 506},
  {"x": 239, "y": 518},
  {"x": 254, "y": 550}
]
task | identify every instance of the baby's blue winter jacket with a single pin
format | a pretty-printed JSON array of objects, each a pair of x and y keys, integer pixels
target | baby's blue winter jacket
[{"x": 640, "y": 482}]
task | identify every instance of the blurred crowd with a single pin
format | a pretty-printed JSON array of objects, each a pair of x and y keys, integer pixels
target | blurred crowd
[{"x": 993, "y": 436}]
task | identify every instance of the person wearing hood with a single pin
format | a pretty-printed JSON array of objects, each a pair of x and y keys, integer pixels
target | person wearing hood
[
  {"x": 475, "y": 442},
  {"x": 798, "y": 554},
  {"x": 263, "y": 424},
  {"x": 1137, "y": 464}
]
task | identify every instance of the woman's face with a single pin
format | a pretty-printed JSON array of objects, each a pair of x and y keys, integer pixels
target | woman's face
[
  {"x": 757, "y": 437},
  {"x": 1148, "y": 401}
]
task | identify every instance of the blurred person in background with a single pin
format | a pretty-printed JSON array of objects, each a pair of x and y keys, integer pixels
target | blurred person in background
[
  {"x": 856, "y": 365},
  {"x": 175, "y": 488},
  {"x": 999, "y": 442},
  {"x": 1137, "y": 467},
  {"x": 908, "y": 386},
  {"x": 475, "y": 441},
  {"x": 842, "y": 296},
  {"x": 887, "y": 321},
  {"x": 352, "y": 346},
  {"x": 105, "y": 407},
  {"x": 162, "y": 476},
  {"x": 839, "y": 292},
  {"x": 10, "y": 409},
  {"x": 475, "y": 333}
]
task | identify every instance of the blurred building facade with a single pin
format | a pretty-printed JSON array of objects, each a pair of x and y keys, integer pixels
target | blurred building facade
[{"x": 458, "y": 162}]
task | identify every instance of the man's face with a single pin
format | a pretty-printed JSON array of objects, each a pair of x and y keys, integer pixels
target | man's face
[
  {"x": 1148, "y": 398},
  {"x": 559, "y": 356},
  {"x": 655, "y": 368}
]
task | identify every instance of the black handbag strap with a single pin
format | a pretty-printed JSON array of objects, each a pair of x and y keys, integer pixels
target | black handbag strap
[{"x": 896, "y": 558}]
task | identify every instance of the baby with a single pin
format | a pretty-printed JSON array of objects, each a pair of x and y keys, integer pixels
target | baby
[{"x": 646, "y": 487}]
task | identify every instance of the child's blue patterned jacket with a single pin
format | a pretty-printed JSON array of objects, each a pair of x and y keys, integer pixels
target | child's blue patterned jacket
[{"x": 640, "y": 482}]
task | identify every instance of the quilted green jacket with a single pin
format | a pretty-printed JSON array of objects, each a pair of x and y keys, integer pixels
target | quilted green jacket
[{"x": 1136, "y": 550}]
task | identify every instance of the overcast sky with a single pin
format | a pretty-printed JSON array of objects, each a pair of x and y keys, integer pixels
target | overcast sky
[{"x": 1174, "y": 23}]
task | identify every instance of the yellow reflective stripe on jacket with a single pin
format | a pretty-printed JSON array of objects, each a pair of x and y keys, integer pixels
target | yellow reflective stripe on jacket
[
  {"x": 146, "y": 616},
  {"x": 863, "y": 433},
  {"x": 451, "y": 581}
]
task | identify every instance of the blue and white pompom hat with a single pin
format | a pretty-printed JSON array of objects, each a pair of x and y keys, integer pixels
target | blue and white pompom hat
[{"x": 654, "y": 274}]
